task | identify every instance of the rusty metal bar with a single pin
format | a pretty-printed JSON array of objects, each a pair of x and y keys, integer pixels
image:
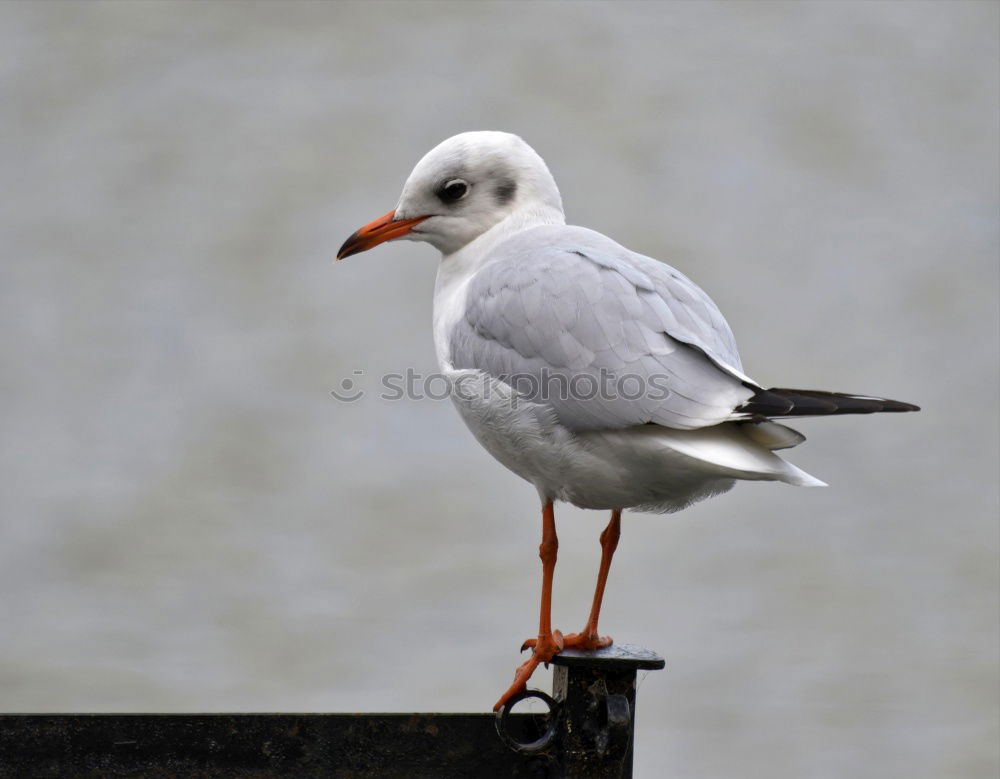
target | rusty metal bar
[{"x": 586, "y": 733}]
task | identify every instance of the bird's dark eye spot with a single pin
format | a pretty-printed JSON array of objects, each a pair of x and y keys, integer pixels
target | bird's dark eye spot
[
  {"x": 505, "y": 191},
  {"x": 453, "y": 190}
]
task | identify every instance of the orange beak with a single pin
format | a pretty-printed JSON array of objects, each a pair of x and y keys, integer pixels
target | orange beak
[{"x": 383, "y": 229}]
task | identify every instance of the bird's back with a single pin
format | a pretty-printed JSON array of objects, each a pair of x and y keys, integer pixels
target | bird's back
[{"x": 608, "y": 337}]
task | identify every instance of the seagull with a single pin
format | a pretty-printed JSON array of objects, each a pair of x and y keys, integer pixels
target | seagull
[{"x": 607, "y": 379}]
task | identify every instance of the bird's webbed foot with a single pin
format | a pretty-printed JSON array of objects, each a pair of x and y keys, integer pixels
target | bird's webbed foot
[{"x": 543, "y": 649}]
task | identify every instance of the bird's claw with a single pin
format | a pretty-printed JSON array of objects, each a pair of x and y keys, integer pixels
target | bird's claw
[
  {"x": 543, "y": 649},
  {"x": 586, "y": 641},
  {"x": 546, "y": 647}
]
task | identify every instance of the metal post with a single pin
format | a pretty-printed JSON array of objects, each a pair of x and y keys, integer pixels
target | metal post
[{"x": 591, "y": 722}]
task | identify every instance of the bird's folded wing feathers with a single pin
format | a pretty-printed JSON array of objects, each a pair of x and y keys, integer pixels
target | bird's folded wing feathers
[{"x": 608, "y": 338}]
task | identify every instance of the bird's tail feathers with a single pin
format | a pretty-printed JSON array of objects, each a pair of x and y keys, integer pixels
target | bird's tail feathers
[{"x": 779, "y": 402}]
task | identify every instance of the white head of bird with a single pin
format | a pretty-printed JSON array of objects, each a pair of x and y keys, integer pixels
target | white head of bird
[{"x": 463, "y": 188}]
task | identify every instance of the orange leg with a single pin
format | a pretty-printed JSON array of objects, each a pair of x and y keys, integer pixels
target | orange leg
[
  {"x": 588, "y": 638},
  {"x": 549, "y": 643}
]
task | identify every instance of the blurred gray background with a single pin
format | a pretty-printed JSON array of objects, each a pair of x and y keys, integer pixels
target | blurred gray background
[{"x": 190, "y": 520}]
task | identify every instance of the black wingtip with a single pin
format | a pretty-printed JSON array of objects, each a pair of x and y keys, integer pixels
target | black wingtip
[
  {"x": 781, "y": 402},
  {"x": 898, "y": 405}
]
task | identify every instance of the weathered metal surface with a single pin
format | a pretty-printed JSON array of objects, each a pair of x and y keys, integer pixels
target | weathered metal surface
[
  {"x": 255, "y": 746},
  {"x": 587, "y": 732},
  {"x": 591, "y": 712},
  {"x": 597, "y": 692},
  {"x": 617, "y": 657}
]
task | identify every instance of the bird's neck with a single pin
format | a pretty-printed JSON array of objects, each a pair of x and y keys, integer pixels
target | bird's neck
[{"x": 471, "y": 256}]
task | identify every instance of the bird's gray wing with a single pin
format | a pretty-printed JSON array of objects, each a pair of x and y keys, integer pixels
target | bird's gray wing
[{"x": 608, "y": 338}]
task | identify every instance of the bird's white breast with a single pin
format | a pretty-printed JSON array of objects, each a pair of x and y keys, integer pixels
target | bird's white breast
[{"x": 450, "y": 291}]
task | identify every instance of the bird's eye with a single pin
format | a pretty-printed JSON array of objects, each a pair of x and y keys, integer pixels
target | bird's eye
[{"x": 453, "y": 190}]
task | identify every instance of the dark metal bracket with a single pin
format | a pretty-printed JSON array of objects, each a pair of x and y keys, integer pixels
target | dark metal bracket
[
  {"x": 590, "y": 724},
  {"x": 586, "y": 732}
]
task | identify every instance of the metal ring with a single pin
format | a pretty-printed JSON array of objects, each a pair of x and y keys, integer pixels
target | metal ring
[{"x": 531, "y": 747}]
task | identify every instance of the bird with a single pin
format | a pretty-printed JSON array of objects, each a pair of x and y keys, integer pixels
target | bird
[{"x": 605, "y": 378}]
